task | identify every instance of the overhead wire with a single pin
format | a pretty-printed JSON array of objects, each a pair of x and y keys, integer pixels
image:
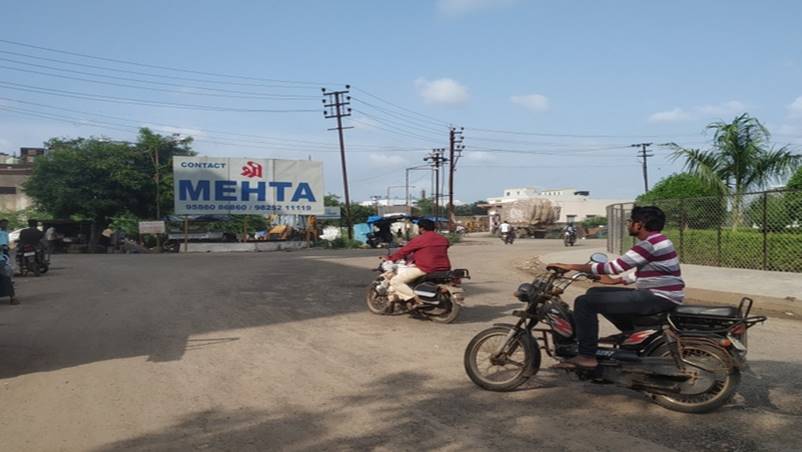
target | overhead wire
[
  {"x": 161, "y": 67},
  {"x": 143, "y": 102}
]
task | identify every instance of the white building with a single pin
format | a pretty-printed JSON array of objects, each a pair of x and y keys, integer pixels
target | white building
[{"x": 575, "y": 205}]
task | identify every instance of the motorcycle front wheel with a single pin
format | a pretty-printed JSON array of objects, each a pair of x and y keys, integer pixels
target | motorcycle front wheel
[
  {"x": 377, "y": 304},
  {"x": 720, "y": 389},
  {"x": 504, "y": 371}
]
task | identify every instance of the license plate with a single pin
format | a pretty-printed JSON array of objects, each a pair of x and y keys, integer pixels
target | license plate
[{"x": 29, "y": 254}]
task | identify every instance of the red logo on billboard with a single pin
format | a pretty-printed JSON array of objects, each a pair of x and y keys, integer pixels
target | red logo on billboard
[{"x": 252, "y": 170}]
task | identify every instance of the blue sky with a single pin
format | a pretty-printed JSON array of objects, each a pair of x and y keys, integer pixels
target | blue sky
[{"x": 579, "y": 81}]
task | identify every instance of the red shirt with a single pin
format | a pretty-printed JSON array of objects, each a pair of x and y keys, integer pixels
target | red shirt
[{"x": 429, "y": 252}]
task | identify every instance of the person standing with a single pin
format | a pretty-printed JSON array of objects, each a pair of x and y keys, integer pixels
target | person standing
[
  {"x": 6, "y": 270},
  {"x": 50, "y": 240}
]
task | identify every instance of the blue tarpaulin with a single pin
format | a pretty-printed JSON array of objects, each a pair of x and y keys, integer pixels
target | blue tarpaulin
[{"x": 361, "y": 231}]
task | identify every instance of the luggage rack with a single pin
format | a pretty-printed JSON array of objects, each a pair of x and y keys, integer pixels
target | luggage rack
[{"x": 691, "y": 323}]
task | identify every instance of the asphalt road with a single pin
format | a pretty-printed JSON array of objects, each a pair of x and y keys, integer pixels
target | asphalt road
[{"x": 278, "y": 351}]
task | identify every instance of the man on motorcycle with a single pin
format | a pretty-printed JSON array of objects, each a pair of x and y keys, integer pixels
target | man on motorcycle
[
  {"x": 428, "y": 252},
  {"x": 31, "y": 235},
  {"x": 659, "y": 285}
]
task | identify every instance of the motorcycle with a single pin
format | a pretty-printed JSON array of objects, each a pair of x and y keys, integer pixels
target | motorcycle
[
  {"x": 440, "y": 294},
  {"x": 32, "y": 259},
  {"x": 569, "y": 238},
  {"x": 687, "y": 360},
  {"x": 508, "y": 237}
]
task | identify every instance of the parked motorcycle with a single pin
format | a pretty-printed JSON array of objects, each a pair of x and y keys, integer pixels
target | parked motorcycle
[
  {"x": 440, "y": 294},
  {"x": 687, "y": 360},
  {"x": 569, "y": 238},
  {"x": 32, "y": 259}
]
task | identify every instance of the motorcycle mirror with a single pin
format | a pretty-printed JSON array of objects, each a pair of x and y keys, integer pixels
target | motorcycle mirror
[{"x": 599, "y": 258}]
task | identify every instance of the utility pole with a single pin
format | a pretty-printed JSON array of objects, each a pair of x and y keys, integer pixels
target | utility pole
[
  {"x": 436, "y": 158},
  {"x": 336, "y": 106},
  {"x": 454, "y": 153},
  {"x": 643, "y": 154}
]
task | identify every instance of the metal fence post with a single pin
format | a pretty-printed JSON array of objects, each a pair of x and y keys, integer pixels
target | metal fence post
[
  {"x": 765, "y": 231},
  {"x": 720, "y": 218},
  {"x": 682, "y": 230},
  {"x": 621, "y": 222}
]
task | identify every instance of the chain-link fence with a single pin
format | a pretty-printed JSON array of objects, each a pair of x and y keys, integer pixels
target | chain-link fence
[{"x": 755, "y": 230}]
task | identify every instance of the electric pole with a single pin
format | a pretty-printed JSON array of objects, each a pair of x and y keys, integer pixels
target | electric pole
[
  {"x": 436, "y": 158},
  {"x": 454, "y": 152},
  {"x": 643, "y": 154},
  {"x": 336, "y": 105}
]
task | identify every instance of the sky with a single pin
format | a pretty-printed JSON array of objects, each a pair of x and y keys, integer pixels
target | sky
[{"x": 550, "y": 94}]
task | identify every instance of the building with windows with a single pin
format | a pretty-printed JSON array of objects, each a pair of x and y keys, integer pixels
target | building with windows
[
  {"x": 14, "y": 171},
  {"x": 575, "y": 205}
]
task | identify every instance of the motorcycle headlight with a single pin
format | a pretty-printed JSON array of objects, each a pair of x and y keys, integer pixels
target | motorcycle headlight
[{"x": 523, "y": 292}]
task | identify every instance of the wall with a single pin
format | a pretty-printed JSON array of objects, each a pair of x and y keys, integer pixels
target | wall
[{"x": 12, "y": 198}]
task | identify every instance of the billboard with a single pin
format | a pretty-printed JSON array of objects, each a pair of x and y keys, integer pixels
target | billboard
[{"x": 244, "y": 186}]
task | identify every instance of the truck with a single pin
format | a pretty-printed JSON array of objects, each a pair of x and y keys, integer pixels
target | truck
[{"x": 530, "y": 217}]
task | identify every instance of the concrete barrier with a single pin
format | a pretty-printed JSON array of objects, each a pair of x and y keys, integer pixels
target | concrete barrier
[{"x": 248, "y": 247}]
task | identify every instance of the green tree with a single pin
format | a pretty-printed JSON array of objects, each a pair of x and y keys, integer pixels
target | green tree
[
  {"x": 702, "y": 205},
  {"x": 793, "y": 198},
  {"x": 100, "y": 179},
  {"x": 741, "y": 160},
  {"x": 470, "y": 209}
]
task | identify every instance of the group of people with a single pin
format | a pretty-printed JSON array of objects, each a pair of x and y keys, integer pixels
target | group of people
[{"x": 32, "y": 235}]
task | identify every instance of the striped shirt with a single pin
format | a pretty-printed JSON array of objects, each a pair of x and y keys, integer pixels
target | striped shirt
[{"x": 657, "y": 267}]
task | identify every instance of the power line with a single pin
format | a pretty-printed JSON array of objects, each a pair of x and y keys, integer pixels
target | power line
[
  {"x": 156, "y": 66},
  {"x": 143, "y": 102},
  {"x": 435, "y": 127},
  {"x": 285, "y": 97},
  {"x": 148, "y": 74},
  {"x": 154, "y": 82},
  {"x": 445, "y": 123},
  {"x": 405, "y": 128}
]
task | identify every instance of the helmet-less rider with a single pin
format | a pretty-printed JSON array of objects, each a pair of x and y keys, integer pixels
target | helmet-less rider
[
  {"x": 424, "y": 254},
  {"x": 658, "y": 283}
]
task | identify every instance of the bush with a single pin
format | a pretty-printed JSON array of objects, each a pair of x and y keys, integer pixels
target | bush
[
  {"x": 741, "y": 248},
  {"x": 343, "y": 243}
]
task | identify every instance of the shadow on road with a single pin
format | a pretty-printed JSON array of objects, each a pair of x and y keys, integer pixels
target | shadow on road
[{"x": 409, "y": 411}]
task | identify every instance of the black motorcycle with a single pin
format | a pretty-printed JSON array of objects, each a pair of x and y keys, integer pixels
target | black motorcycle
[
  {"x": 569, "y": 238},
  {"x": 686, "y": 360},
  {"x": 32, "y": 259},
  {"x": 439, "y": 293}
]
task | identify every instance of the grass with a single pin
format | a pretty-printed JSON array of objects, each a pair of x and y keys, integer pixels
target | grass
[{"x": 741, "y": 248}]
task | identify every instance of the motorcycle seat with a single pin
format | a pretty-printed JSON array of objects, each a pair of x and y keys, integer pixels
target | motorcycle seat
[
  {"x": 436, "y": 276},
  {"x": 712, "y": 311}
]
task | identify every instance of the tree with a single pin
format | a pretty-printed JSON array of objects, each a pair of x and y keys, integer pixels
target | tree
[
  {"x": 98, "y": 179},
  {"x": 702, "y": 205},
  {"x": 740, "y": 160},
  {"x": 470, "y": 209},
  {"x": 793, "y": 198}
]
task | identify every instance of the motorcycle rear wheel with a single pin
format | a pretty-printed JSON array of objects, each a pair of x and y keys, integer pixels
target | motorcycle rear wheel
[
  {"x": 446, "y": 317},
  {"x": 507, "y": 373},
  {"x": 719, "y": 393},
  {"x": 34, "y": 267}
]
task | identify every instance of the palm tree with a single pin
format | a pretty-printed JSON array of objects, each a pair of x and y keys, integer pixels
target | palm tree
[{"x": 741, "y": 160}]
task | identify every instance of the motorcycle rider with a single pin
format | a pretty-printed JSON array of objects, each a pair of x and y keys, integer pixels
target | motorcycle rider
[
  {"x": 659, "y": 285},
  {"x": 570, "y": 229},
  {"x": 506, "y": 228},
  {"x": 424, "y": 254},
  {"x": 31, "y": 236}
]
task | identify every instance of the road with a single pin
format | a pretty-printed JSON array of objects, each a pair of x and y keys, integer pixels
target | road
[{"x": 278, "y": 351}]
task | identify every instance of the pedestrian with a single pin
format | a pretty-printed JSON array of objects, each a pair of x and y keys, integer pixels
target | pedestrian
[
  {"x": 50, "y": 240},
  {"x": 6, "y": 270}
]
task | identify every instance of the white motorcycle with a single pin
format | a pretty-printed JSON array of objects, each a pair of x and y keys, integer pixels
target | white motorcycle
[{"x": 439, "y": 293}]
